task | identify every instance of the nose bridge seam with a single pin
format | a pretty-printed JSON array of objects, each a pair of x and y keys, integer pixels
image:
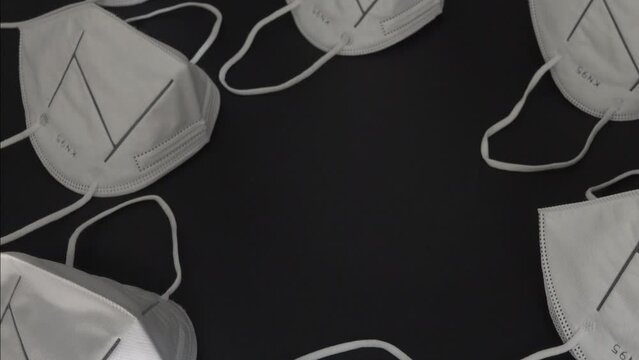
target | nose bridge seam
[
  {"x": 111, "y": 349},
  {"x": 612, "y": 287},
  {"x": 621, "y": 36},
  {"x": 150, "y": 307},
  {"x": 364, "y": 12},
  {"x": 139, "y": 119},
  {"x": 66, "y": 70},
  {"x": 581, "y": 17},
  {"x": 15, "y": 326},
  {"x": 13, "y": 292},
  {"x": 93, "y": 99}
]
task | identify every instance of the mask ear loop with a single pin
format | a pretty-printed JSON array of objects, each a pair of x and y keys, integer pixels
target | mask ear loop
[
  {"x": 115, "y": 3},
  {"x": 589, "y": 192},
  {"x": 31, "y": 129},
  {"x": 355, "y": 345},
  {"x": 24, "y": 134},
  {"x": 10, "y": 25},
  {"x": 169, "y": 214},
  {"x": 212, "y": 36},
  {"x": 562, "y": 349},
  {"x": 500, "y": 125},
  {"x": 51, "y": 217},
  {"x": 344, "y": 40},
  {"x": 20, "y": 136}
]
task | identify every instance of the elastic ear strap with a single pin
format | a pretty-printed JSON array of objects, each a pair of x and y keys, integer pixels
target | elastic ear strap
[
  {"x": 354, "y": 345},
  {"x": 212, "y": 36},
  {"x": 497, "y": 127},
  {"x": 10, "y": 25},
  {"x": 51, "y": 217},
  {"x": 169, "y": 214},
  {"x": 18, "y": 24},
  {"x": 247, "y": 45},
  {"x": 589, "y": 192},
  {"x": 558, "y": 350},
  {"x": 115, "y": 3},
  {"x": 485, "y": 153},
  {"x": 20, "y": 136}
]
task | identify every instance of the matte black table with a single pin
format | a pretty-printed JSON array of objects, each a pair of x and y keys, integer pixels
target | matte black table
[{"x": 354, "y": 205}]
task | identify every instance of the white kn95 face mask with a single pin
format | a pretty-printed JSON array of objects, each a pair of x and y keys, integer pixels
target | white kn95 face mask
[
  {"x": 590, "y": 261},
  {"x": 343, "y": 27},
  {"x": 591, "y": 48},
  {"x": 109, "y": 110},
  {"x": 52, "y": 311}
]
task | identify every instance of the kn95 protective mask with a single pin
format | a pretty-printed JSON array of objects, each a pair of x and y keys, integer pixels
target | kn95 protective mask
[
  {"x": 342, "y": 27},
  {"x": 54, "y": 311},
  {"x": 591, "y": 48},
  {"x": 109, "y": 110},
  {"x": 590, "y": 263}
]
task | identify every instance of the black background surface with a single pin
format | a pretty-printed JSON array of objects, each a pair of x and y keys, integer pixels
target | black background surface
[{"x": 354, "y": 205}]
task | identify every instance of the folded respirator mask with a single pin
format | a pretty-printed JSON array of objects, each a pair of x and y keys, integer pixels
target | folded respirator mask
[
  {"x": 109, "y": 110},
  {"x": 591, "y": 48}
]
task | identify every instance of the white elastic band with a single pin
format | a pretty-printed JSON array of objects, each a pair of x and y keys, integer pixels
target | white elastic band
[
  {"x": 10, "y": 25},
  {"x": 209, "y": 41},
  {"x": 118, "y": 2},
  {"x": 589, "y": 192},
  {"x": 354, "y": 345},
  {"x": 570, "y": 345},
  {"x": 485, "y": 153},
  {"x": 18, "y": 24},
  {"x": 247, "y": 45},
  {"x": 169, "y": 214},
  {"x": 21, "y": 136},
  {"x": 51, "y": 217}
]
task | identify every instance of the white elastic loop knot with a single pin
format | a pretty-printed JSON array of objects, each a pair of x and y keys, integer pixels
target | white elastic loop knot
[
  {"x": 169, "y": 214},
  {"x": 562, "y": 349},
  {"x": 287, "y": 84},
  {"x": 214, "y": 32},
  {"x": 354, "y": 345},
  {"x": 51, "y": 217},
  {"x": 589, "y": 192},
  {"x": 513, "y": 115}
]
